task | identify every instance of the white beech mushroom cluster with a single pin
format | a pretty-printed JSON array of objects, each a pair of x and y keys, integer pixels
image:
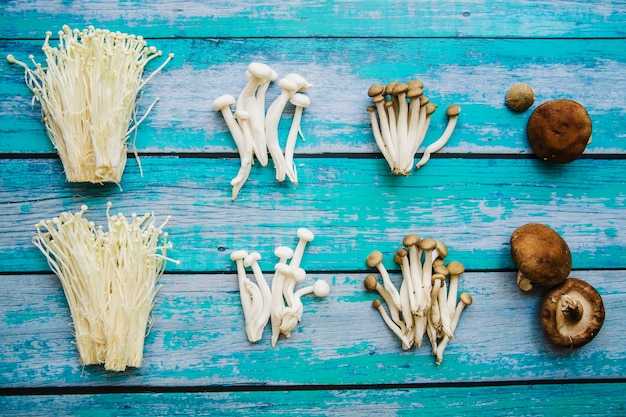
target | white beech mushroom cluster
[
  {"x": 88, "y": 94},
  {"x": 404, "y": 114},
  {"x": 281, "y": 303},
  {"x": 255, "y": 130},
  {"x": 109, "y": 278},
  {"x": 426, "y": 302}
]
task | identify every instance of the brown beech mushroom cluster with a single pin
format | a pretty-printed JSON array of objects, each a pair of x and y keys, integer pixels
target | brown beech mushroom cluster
[
  {"x": 400, "y": 116},
  {"x": 426, "y": 302},
  {"x": 559, "y": 131},
  {"x": 572, "y": 311}
]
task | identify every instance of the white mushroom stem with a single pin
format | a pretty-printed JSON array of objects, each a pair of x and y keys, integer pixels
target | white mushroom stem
[
  {"x": 406, "y": 307},
  {"x": 305, "y": 236},
  {"x": 455, "y": 269},
  {"x": 246, "y": 156},
  {"x": 252, "y": 329},
  {"x": 293, "y": 311},
  {"x": 320, "y": 288},
  {"x": 244, "y": 146},
  {"x": 431, "y": 330},
  {"x": 375, "y": 260},
  {"x": 284, "y": 253},
  {"x": 272, "y": 119},
  {"x": 465, "y": 300},
  {"x": 415, "y": 267},
  {"x": 420, "y": 323},
  {"x": 453, "y": 114},
  {"x": 385, "y": 132},
  {"x": 378, "y": 136},
  {"x": 427, "y": 245},
  {"x": 263, "y": 316},
  {"x": 246, "y": 303},
  {"x": 377, "y": 304},
  {"x": 300, "y": 101},
  {"x": 443, "y": 311},
  {"x": 372, "y": 284},
  {"x": 435, "y": 314},
  {"x": 393, "y": 129},
  {"x": 407, "y": 278}
]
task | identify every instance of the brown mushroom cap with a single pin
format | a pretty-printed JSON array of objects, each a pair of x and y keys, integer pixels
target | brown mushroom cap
[
  {"x": 572, "y": 313},
  {"x": 520, "y": 97},
  {"x": 559, "y": 130},
  {"x": 374, "y": 259},
  {"x": 370, "y": 282},
  {"x": 375, "y": 90},
  {"x": 541, "y": 255}
]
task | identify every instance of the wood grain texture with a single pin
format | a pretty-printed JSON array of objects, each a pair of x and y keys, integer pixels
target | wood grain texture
[
  {"x": 559, "y": 399},
  {"x": 361, "y": 18},
  {"x": 474, "y": 73},
  {"x": 353, "y": 206},
  {"x": 198, "y": 339},
  {"x": 341, "y": 360}
]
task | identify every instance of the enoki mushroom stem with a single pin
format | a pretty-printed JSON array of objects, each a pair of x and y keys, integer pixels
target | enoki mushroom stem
[{"x": 88, "y": 92}]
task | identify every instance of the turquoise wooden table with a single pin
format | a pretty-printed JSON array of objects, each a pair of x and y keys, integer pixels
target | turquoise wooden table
[{"x": 341, "y": 359}]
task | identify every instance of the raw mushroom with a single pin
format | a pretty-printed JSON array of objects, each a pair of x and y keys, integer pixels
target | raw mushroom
[
  {"x": 300, "y": 101},
  {"x": 453, "y": 114},
  {"x": 559, "y": 131},
  {"x": 572, "y": 313},
  {"x": 520, "y": 97},
  {"x": 541, "y": 255}
]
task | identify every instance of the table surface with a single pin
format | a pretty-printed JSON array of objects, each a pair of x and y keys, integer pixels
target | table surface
[{"x": 341, "y": 359}]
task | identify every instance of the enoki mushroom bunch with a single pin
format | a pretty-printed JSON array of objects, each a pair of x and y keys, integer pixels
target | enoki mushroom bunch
[
  {"x": 255, "y": 131},
  {"x": 281, "y": 304},
  {"x": 88, "y": 96},
  {"x": 427, "y": 299},
  {"x": 404, "y": 115},
  {"x": 109, "y": 278}
]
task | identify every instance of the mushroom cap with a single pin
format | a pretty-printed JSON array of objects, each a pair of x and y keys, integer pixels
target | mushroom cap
[
  {"x": 453, "y": 110},
  {"x": 374, "y": 259},
  {"x": 440, "y": 269},
  {"x": 301, "y": 100},
  {"x": 402, "y": 252},
  {"x": 430, "y": 108},
  {"x": 283, "y": 252},
  {"x": 251, "y": 258},
  {"x": 559, "y": 130},
  {"x": 376, "y": 90},
  {"x": 442, "y": 249},
  {"x": 567, "y": 332},
  {"x": 414, "y": 92},
  {"x": 455, "y": 268},
  {"x": 541, "y": 254},
  {"x": 411, "y": 240},
  {"x": 399, "y": 88},
  {"x": 520, "y": 97},
  {"x": 288, "y": 84},
  {"x": 370, "y": 282},
  {"x": 321, "y": 288},
  {"x": 436, "y": 277},
  {"x": 389, "y": 87},
  {"x": 238, "y": 254},
  {"x": 305, "y": 234},
  {"x": 428, "y": 243},
  {"x": 223, "y": 101},
  {"x": 260, "y": 70},
  {"x": 415, "y": 84},
  {"x": 466, "y": 298},
  {"x": 299, "y": 80},
  {"x": 376, "y": 303}
]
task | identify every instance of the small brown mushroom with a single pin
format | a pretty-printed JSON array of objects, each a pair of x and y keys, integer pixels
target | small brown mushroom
[
  {"x": 520, "y": 97},
  {"x": 559, "y": 131},
  {"x": 572, "y": 313},
  {"x": 541, "y": 255}
]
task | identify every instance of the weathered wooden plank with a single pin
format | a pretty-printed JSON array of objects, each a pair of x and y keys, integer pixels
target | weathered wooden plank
[
  {"x": 553, "y": 400},
  {"x": 563, "y": 18},
  {"x": 475, "y": 73},
  {"x": 352, "y": 205},
  {"x": 198, "y": 338}
]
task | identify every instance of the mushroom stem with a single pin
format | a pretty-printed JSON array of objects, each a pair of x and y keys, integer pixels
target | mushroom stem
[
  {"x": 415, "y": 266},
  {"x": 238, "y": 257},
  {"x": 371, "y": 284},
  {"x": 375, "y": 260},
  {"x": 455, "y": 269},
  {"x": 465, "y": 300},
  {"x": 263, "y": 317},
  {"x": 300, "y": 101},
  {"x": 272, "y": 119},
  {"x": 571, "y": 308},
  {"x": 305, "y": 236},
  {"x": 377, "y": 304},
  {"x": 284, "y": 253},
  {"x": 453, "y": 114}
]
